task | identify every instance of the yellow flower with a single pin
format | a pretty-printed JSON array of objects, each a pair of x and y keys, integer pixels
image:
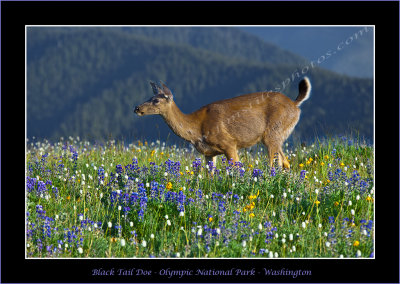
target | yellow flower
[
  {"x": 317, "y": 202},
  {"x": 252, "y": 215},
  {"x": 191, "y": 173},
  {"x": 252, "y": 197},
  {"x": 369, "y": 198},
  {"x": 322, "y": 163},
  {"x": 169, "y": 185},
  {"x": 341, "y": 164},
  {"x": 356, "y": 243},
  {"x": 139, "y": 150},
  {"x": 152, "y": 152},
  {"x": 250, "y": 166},
  {"x": 301, "y": 165},
  {"x": 336, "y": 203},
  {"x": 181, "y": 173},
  {"x": 162, "y": 153},
  {"x": 68, "y": 197},
  {"x": 210, "y": 219},
  {"x": 326, "y": 157},
  {"x": 244, "y": 209}
]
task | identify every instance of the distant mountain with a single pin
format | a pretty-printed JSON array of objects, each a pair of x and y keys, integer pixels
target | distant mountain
[
  {"x": 356, "y": 45},
  {"x": 84, "y": 82}
]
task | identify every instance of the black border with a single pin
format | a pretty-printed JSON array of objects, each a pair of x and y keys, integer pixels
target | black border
[{"x": 14, "y": 17}]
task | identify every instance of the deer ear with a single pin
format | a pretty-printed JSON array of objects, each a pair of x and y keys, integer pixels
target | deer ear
[
  {"x": 156, "y": 89},
  {"x": 167, "y": 92}
]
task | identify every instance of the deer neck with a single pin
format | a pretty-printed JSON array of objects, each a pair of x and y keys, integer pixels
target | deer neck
[{"x": 184, "y": 125}]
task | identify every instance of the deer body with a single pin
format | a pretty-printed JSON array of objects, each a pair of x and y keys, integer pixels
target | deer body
[{"x": 225, "y": 126}]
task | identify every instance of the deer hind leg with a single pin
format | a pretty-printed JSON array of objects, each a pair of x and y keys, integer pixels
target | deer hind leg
[
  {"x": 275, "y": 152},
  {"x": 285, "y": 162},
  {"x": 231, "y": 154},
  {"x": 214, "y": 160}
]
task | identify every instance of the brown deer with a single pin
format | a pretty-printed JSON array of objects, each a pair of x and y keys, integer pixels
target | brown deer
[{"x": 225, "y": 126}]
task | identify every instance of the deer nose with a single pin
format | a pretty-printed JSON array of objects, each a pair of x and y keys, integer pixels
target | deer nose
[{"x": 136, "y": 109}]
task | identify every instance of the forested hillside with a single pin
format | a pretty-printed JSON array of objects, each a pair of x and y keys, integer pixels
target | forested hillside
[{"x": 85, "y": 81}]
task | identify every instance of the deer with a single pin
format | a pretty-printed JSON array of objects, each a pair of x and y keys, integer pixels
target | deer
[{"x": 225, "y": 126}]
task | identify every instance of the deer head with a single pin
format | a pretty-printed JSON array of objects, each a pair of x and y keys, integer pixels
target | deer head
[{"x": 159, "y": 103}]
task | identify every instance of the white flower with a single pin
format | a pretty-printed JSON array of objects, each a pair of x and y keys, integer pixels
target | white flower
[
  {"x": 316, "y": 191},
  {"x": 276, "y": 255},
  {"x": 272, "y": 196},
  {"x": 352, "y": 212},
  {"x": 109, "y": 224},
  {"x": 284, "y": 195},
  {"x": 290, "y": 237},
  {"x": 260, "y": 226},
  {"x": 199, "y": 232},
  {"x": 118, "y": 191},
  {"x": 80, "y": 217},
  {"x": 181, "y": 214},
  {"x": 271, "y": 254},
  {"x": 303, "y": 225},
  {"x": 56, "y": 217},
  {"x": 152, "y": 236},
  {"x": 165, "y": 174},
  {"x": 119, "y": 208},
  {"x": 255, "y": 179},
  {"x": 168, "y": 222},
  {"x": 319, "y": 225},
  {"x": 178, "y": 254},
  {"x": 276, "y": 236},
  {"x": 283, "y": 240},
  {"x": 358, "y": 253},
  {"x": 144, "y": 243},
  {"x": 218, "y": 231},
  {"x": 200, "y": 176},
  {"x": 80, "y": 250},
  {"x": 327, "y": 244},
  {"x": 122, "y": 242},
  {"x": 244, "y": 244},
  {"x": 293, "y": 248},
  {"x": 166, "y": 217},
  {"x": 350, "y": 203},
  {"x": 147, "y": 184}
]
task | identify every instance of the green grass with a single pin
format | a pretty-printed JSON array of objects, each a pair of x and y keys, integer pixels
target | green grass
[{"x": 165, "y": 203}]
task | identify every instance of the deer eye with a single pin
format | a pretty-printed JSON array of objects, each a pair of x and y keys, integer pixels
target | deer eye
[{"x": 156, "y": 101}]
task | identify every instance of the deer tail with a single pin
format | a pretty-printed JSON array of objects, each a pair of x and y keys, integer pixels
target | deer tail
[{"x": 304, "y": 91}]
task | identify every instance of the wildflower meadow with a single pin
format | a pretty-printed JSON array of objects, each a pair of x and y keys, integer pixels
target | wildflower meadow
[{"x": 149, "y": 199}]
